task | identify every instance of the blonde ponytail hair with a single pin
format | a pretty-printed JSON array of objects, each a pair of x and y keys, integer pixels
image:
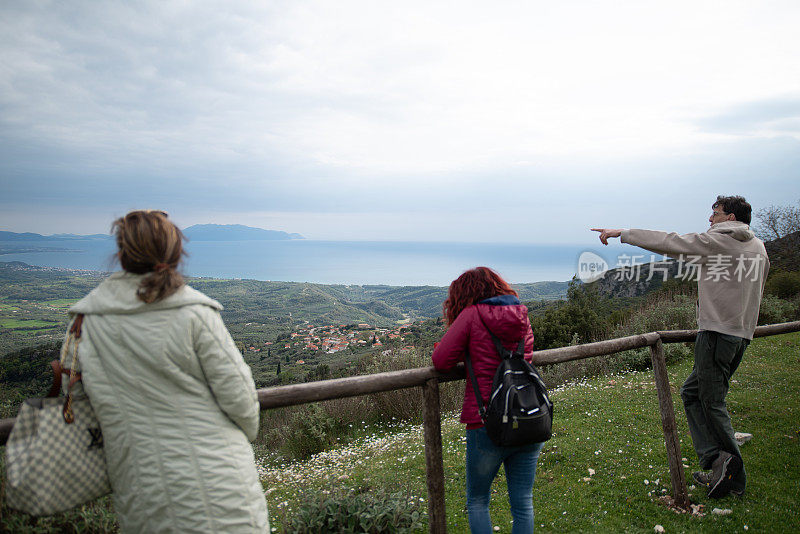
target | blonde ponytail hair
[{"x": 149, "y": 243}]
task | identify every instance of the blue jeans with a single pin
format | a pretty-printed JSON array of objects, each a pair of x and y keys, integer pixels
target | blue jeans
[{"x": 483, "y": 463}]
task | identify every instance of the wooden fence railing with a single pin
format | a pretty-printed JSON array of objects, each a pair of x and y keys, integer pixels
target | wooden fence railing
[{"x": 428, "y": 379}]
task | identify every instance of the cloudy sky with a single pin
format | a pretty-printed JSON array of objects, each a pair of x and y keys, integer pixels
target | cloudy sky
[{"x": 449, "y": 121}]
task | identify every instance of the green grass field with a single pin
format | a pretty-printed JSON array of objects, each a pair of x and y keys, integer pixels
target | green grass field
[
  {"x": 60, "y": 303},
  {"x": 25, "y": 324},
  {"x": 612, "y": 426},
  {"x": 608, "y": 424}
]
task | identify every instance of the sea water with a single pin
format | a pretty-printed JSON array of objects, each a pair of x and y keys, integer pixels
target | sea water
[{"x": 331, "y": 262}]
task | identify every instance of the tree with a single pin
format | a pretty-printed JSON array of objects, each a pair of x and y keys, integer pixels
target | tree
[
  {"x": 775, "y": 222},
  {"x": 278, "y": 372},
  {"x": 581, "y": 317}
]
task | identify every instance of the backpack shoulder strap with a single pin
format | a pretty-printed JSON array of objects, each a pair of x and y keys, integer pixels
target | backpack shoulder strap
[{"x": 475, "y": 388}]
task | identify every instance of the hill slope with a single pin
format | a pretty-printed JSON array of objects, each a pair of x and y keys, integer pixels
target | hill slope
[{"x": 34, "y": 300}]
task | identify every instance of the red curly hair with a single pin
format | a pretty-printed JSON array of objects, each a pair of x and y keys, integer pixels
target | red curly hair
[{"x": 472, "y": 287}]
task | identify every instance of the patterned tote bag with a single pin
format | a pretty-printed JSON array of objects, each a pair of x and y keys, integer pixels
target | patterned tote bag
[{"x": 54, "y": 454}]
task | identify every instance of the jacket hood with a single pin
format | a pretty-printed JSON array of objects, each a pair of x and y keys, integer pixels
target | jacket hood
[
  {"x": 505, "y": 316},
  {"x": 117, "y": 294},
  {"x": 736, "y": 229}
]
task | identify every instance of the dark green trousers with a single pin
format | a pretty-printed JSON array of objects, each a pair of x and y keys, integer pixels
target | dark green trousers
[{"x": 716, "y": 357}]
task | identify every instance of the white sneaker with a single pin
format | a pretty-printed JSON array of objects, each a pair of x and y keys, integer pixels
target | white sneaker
[{"x": 742, "y": 437}]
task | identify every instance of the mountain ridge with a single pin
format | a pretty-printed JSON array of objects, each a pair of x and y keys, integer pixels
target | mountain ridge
[
  {"x": 30, "y": 236},
  {"x": 197, "y": 232},
  {"x": 235, "y": 232}
]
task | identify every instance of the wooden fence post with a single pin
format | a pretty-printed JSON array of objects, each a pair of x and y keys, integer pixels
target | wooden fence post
[
  {"x": 434, "y": 465},
  {"x": 676, "y": 473}
]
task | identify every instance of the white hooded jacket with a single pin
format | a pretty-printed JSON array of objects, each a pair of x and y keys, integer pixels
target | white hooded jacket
[
  {"x": 732, "y": 270},
  {"x": 177, "y": 406}
]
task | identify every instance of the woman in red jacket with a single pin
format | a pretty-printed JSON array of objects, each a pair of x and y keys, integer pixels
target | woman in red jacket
[{"x": 477, "y": 300}]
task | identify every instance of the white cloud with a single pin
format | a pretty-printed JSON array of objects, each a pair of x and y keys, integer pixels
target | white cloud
[{"x": 417, "y": 107}]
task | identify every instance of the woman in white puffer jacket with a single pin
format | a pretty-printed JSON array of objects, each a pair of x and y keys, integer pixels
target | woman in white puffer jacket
[{"x": 176, "y": 402}]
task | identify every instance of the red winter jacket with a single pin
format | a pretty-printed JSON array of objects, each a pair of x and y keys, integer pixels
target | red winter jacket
[{"x": 508, "y": 320}]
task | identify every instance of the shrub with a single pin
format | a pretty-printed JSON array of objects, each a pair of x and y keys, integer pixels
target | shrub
[
  {"x": 669, "y": 312},
  {"x": 352, "y": 511},
  {"x": 407, "y": 404},
  {"x": 297, "y": 432},
  {"x": 783, "y": 285},
  {"x": 664, "y": 311},
  {"x": 640, "y": 359},
  {"x": 310, "y": 430},
  {"x": 96, "y": 517},
  {"x": 776, "y": 310}
]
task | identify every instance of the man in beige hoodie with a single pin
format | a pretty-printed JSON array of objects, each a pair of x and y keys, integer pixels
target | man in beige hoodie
[{"x": 730, "y": 265}]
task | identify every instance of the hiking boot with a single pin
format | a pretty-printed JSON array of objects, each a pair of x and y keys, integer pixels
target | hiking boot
[
  {"x": 724, "y": 468},
  {"x": 702, "y": 478}
]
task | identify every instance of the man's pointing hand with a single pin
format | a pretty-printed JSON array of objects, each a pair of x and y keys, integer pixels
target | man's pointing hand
[{"x": 605, "y": 233}]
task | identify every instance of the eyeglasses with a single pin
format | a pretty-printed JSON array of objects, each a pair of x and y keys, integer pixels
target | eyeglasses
[{"x": 715, "y": 213}]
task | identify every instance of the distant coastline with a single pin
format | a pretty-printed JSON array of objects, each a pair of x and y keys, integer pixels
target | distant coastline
[
  {"x": 14, "y": 237},
  {"x": 33, "y": 250}
]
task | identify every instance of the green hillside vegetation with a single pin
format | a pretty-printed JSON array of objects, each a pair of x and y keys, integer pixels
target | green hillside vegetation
[
  {"x": 33, "y": 303},
  {"x": 261, "y": 316},
  {"x": 334, "y": 304},
  {"x": 255, "y": 311}
]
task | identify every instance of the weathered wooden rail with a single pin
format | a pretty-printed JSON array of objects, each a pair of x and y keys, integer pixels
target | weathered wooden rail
[{"x": 428, "y": 379}]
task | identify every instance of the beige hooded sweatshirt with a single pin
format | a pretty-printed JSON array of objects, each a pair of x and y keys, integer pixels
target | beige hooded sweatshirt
[{"x": 730, "y": 265}]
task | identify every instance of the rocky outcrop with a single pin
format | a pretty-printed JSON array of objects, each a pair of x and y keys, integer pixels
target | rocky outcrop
[{"x": 635, "y": 280}]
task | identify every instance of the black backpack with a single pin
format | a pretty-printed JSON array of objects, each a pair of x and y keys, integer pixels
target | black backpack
[{"x": 519, "y": 411}]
